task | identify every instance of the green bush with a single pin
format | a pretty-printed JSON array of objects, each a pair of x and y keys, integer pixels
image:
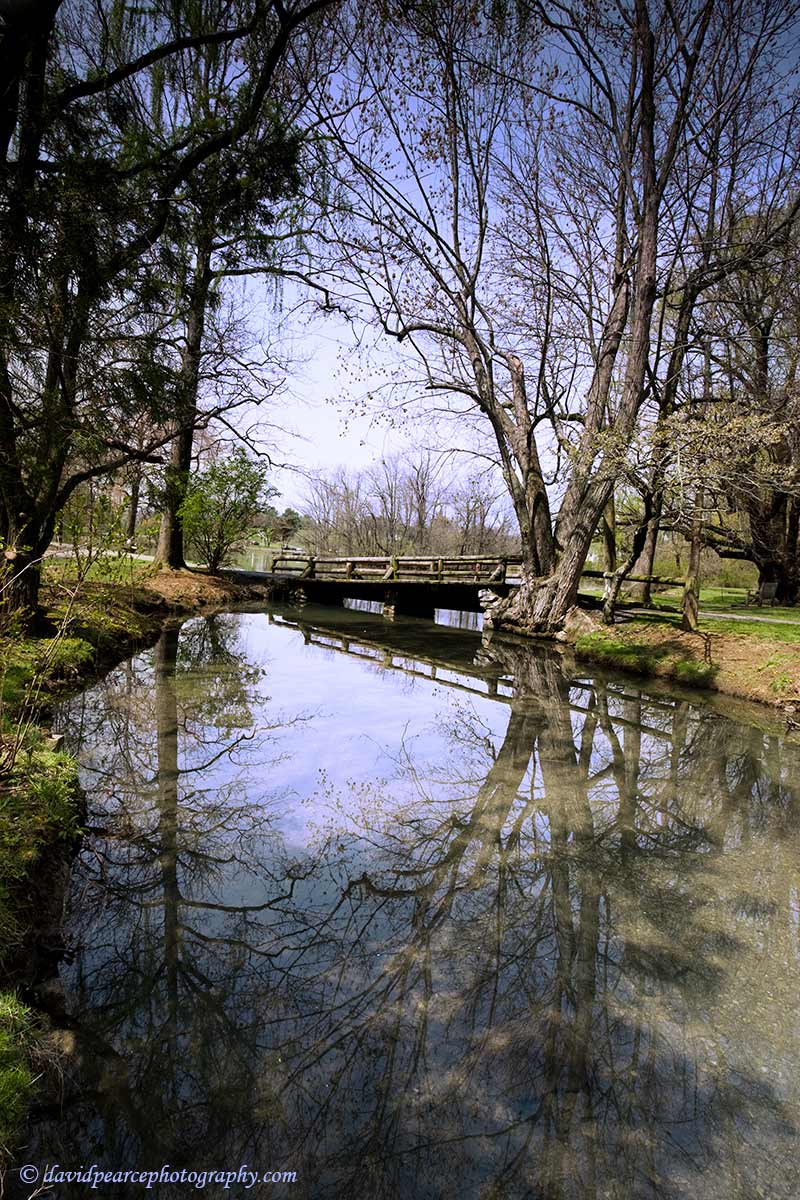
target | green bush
[{"x": 220, "y": 505}]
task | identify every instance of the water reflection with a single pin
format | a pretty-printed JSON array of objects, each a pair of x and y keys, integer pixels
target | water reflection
[{"x": 537, "y": 937}]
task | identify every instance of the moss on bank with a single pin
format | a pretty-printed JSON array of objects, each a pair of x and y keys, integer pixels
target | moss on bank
[{"x": 18, "y": 1042}]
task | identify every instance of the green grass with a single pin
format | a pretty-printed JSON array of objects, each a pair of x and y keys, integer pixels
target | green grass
[
  {"x": 119, "y": 569},
  {"x": 24, "y": 661},
  {"x": 666, "y": 660},
  {"x": 715, "y": 599},
  {"x": 17, "y": 1039},
  {"x": 763, "y": 630}
]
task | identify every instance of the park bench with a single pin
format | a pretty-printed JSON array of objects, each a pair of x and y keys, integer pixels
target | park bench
[{"x": 764, "y": 591}]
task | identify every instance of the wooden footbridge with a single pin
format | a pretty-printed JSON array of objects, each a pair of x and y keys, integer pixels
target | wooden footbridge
[
  {"x": 415, "y": 586},
  {"x": 412, "y": 585}
]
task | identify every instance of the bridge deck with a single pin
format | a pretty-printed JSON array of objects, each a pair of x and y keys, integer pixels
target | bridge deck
[{"x": 416, "y": 585}]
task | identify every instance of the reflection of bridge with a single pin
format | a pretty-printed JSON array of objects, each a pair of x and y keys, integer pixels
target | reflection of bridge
[{"x": 461, "y": 661}]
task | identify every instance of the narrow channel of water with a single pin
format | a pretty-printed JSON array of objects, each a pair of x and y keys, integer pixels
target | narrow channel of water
[{"x": 420, "y": 915}]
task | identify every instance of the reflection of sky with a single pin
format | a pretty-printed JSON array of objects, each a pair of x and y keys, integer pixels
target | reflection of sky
[
  {"x": 461, "y": 1018},
  {"x": 360, "y": 717}
]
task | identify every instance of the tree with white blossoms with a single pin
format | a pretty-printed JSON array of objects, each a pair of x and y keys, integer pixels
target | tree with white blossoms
[{"x": 714, "y": 459}]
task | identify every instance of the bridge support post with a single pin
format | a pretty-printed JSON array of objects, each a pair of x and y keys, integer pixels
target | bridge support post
[{"x": 299, "y": 597}]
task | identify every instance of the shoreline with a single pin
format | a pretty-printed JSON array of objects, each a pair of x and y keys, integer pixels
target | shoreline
[{"x": 758, "y": 670}]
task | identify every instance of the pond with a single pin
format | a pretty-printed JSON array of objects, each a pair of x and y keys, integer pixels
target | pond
[{"x": 413, "y": 913}]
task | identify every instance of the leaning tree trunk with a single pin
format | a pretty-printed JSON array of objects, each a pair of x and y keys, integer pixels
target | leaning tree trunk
[
  {"x": 614, "y": 584},
  {"x": 642, "y": 592},
  {"x": 540, "y": 606}
]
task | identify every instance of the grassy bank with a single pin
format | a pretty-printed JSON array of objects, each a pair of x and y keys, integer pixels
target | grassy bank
[
  {"x": 760, "y": 663},
  {"x": 618, "y": 649},
  {"x": 18, "y": 1039}
]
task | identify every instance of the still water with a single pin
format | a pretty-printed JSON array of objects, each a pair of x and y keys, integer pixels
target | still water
[{"x": 420, "y": 915}]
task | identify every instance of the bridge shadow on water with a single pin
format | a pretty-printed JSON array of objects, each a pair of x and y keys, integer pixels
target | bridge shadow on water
[{"x": 550, "y": 951}]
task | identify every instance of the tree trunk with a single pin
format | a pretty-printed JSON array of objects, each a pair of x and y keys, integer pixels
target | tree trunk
[
  {"x": 26, "y": 541},
  {"x": 133, "y": 508},
  {"x": 614, "y": 584},
  {"x": 170, "y": 550},
  {"x": 540, "y": 605},
  {"x": 23, "y": 586},
  {"x": 609, "y": 528},
  {"x": 785, "y": 574},
  {"x": 691, "y": 588},
  {"x": 774, "y": 533},
  {"x": 642, "y": 592}
]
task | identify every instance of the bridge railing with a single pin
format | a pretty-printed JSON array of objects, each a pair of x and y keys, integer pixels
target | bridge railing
[
  {"x": 408, "y": 568},
  {"x": 477, "y": 568}
]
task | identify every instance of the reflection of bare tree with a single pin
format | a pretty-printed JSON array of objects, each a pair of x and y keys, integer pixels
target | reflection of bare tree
[{"x": 534, "y": 967}]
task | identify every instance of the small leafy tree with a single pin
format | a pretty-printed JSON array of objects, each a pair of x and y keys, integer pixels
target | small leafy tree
[
  {"x": 287, "y": 524},
  {"x": 220, "y": 504}
]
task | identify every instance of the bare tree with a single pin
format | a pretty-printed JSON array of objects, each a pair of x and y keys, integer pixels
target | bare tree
[
  {"x": 406, "y": 506},
  {"x": 533, "y": 209}
]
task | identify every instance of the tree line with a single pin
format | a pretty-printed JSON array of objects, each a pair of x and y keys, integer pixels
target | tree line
[
  {"x": 577, "y": 228},
  {"x": 406, "y": 506}
]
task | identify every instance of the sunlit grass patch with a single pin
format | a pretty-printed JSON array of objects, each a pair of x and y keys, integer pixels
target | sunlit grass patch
[
  {"x": 666, "y": 659},
  {"x": 17, "y": 1036}
]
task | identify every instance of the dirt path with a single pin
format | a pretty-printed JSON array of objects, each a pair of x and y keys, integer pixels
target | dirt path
[{"x": 713, "y": 616}]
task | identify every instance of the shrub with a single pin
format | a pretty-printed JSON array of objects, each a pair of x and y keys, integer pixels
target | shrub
[{"x": 220, "y": 504}]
